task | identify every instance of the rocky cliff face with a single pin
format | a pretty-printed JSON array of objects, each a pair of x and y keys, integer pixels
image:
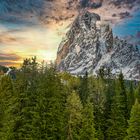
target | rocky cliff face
[{"x": 90, "y": 45}]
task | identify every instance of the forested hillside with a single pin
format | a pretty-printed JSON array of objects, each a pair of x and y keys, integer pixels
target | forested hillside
[{"x": 42, "y": 104}]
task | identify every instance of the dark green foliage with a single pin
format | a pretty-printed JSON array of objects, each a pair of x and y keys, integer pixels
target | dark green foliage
[
  {"x": 119, "y": 112},
  {"x": 96, "y": 93},
  {"x": 50, "y": 116},
  {"x": 131, "y": 97},
  {"x": 110, "y": 93},
  {"x": 137, "y": 92},
  {"x": 99, "y": 104},
  {"x": 74, "y": 116},
  {"x": 122, "y": 96},
  {"x": 42, "y": 104},
  {"x": 133, "y": 131},
  {"x": 88, "y": 123},
  {"x": 6, "y": 106},
  {"x": 83, "y": 89},
  {"x": 26, "y": 99}
]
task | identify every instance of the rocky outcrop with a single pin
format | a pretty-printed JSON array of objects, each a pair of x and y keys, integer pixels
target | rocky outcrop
[{"x": 90, "y": 45}]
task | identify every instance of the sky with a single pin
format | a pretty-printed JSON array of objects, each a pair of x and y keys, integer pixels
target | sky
[
  {"x": 129, "y": 26},
  {"x": 20, "y": 41}
]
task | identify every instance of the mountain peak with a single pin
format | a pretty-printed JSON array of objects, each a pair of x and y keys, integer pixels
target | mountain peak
[
  {"x": 86, "y": 19},
  {"x": 90, "y": 45}
]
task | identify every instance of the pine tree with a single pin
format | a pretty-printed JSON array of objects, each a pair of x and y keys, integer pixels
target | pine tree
[
  {"x": 109, "y": 90},
  {"x": 137, "y": 92},
  {"x": 96, "y": 88},
  {"x": 40, "y": 107},
  {"x": 71, "y": 82},
  {"x": 49, "y": 115},
  {"x": 118, "y": 117},
  {"x": 88, "y": 123},
  {"x": 44, "y": 104},
  {"x": 6, "y": 107},
  {"x": 74, "y": 113},
  {"x": 122, "y": 96},
  {"x": 83, "y": 89},
  {"x": 109, "y": 93},
  {"x": 26, "y": 97},
  {"x": 131, "y": 97},
  {"x": 133, "y": 131}
]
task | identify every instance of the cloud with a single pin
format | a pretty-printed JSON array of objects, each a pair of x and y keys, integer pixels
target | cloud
[
  {"x": 7, "y": 63},
  {"x": 8, "y": 39},
  {"x": 10, "y": 59},
  {"x": 16, "y": 37},
  {"x": 19, "y": 6},
  {"x": 7, "y": 57}
]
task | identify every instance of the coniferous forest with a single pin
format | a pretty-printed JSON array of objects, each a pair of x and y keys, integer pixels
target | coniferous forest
[{"x": 39, "y": 103}]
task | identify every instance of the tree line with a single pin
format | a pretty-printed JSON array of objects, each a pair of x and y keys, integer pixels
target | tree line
[{"x": 43, "y": 104}]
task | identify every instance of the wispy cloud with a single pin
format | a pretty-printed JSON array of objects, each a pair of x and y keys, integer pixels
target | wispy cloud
[
  {"x": 12, "y": 57},
  {"x": 11, "y": 38},
  {"x": 7, "y": 39},
  {"x": 8, "y": 63},
  {"x": 9, "y": 59}
]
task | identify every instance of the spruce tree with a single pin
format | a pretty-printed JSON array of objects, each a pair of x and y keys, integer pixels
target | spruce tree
[
  {"x": 71, "y": 82},
  {"x": 131, "y": 97},
  {"x": 119, "y": 115},
  {"x": 133, "y": 131},
  {"x": 96, "y": 87},
  {"x": 137, "y": 92},
  {"x": 122, "y": 96},
  {"x": 83, "y": 89},
  {"x": 49, "y": 115},
  {"x": 88, "y": 123},
  {"x": 74, "y": 116},
  {"x": 26, "y": 97},
  {"x": 100, "y": 101},
  {"x": 6, "y": 108},
  {"x": 109, "y": 95}
]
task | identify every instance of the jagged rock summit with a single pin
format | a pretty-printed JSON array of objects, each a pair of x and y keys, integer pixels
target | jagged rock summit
[{"x": 90, "y": 45}]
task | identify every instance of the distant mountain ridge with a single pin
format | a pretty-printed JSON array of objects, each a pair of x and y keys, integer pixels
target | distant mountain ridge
[{"x": 90, "y": 45}]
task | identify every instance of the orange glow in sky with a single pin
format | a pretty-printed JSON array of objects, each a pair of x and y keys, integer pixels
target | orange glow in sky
[{"x": 20, "y": 43}]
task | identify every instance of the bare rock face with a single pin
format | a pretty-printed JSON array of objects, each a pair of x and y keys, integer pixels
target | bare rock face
[{"x": 90, "y": 45}]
